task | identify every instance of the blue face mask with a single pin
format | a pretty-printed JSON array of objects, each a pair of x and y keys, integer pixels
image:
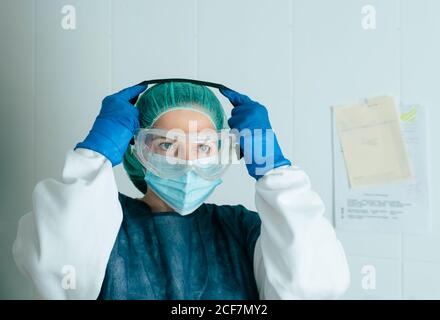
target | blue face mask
[{"x": 184, "y": 194}]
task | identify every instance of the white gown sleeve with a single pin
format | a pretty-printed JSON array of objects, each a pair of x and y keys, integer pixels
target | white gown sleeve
[
  {"x": 64, "y": 244},
  {"x": 297, "y": 255}
]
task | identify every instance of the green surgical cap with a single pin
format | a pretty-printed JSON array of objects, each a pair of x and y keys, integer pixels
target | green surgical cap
[{"x": 161, "y": 98}]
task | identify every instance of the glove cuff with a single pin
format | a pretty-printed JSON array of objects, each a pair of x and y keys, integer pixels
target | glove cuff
[
  {"x": 98, "y": 140},
  {"x": 258, "y": 171}
]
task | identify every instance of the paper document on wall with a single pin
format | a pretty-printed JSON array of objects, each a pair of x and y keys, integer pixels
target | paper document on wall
[
  {"x": 372, "y": 143},
  {"x": 382, "y": 197}
]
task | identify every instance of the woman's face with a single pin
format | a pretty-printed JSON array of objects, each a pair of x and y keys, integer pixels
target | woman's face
[{"x": 187, "y": 121}]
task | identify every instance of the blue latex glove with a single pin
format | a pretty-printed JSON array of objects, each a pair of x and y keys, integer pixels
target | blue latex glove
[
  {"x": 115, "y": 125},
  {"x": 258, "y": 143}
]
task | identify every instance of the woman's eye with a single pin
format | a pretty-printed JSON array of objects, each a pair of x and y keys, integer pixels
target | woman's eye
[
  {"x": 165, "y": 146},
  {"x": 204, "y": 148}
]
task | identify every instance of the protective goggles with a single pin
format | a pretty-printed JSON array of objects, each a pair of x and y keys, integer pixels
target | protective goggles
[{"x": 172, "y": 153}]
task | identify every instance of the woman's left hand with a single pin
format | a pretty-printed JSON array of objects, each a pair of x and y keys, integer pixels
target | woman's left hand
[{"x": 258, "y": 142}]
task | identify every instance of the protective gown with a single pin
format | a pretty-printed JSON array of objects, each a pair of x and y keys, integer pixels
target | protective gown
[{"x": 85, "y": 240}]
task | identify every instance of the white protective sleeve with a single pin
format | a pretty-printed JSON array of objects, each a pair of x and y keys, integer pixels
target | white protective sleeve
[
  {"x": 64, "y": 244},
  {"x": 297, "y": 255}
]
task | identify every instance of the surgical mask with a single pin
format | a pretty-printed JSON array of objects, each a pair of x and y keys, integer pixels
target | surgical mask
[{"x": 185, "y": 193}]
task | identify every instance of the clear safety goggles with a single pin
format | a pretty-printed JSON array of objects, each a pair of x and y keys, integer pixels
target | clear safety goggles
[{"x": 172, "y": 153}]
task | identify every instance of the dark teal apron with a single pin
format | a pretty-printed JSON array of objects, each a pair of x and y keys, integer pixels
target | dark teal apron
[{"x": 207, "y": 254}]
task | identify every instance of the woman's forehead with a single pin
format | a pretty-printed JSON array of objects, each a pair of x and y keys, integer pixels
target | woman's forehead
[{"x": 186, "y": 120}]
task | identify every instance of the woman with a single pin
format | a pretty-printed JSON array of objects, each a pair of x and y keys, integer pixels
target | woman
[{"x": 84, "y": 240}]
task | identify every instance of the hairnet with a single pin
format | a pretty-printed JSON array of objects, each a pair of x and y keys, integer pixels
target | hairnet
[{"x": 161, "y": 98}]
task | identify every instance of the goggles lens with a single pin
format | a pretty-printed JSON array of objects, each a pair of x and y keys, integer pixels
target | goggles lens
[{"x": 172, "y": 153}]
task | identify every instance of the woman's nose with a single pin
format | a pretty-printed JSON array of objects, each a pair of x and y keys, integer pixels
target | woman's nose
[{"x": 187, "y": 152}]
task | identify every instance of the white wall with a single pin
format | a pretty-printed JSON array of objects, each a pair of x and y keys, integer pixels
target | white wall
[{"x": 297, "y": 57}]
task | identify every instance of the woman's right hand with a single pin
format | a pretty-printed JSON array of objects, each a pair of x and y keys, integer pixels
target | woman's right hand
[{"x": 115, "y": 125}]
